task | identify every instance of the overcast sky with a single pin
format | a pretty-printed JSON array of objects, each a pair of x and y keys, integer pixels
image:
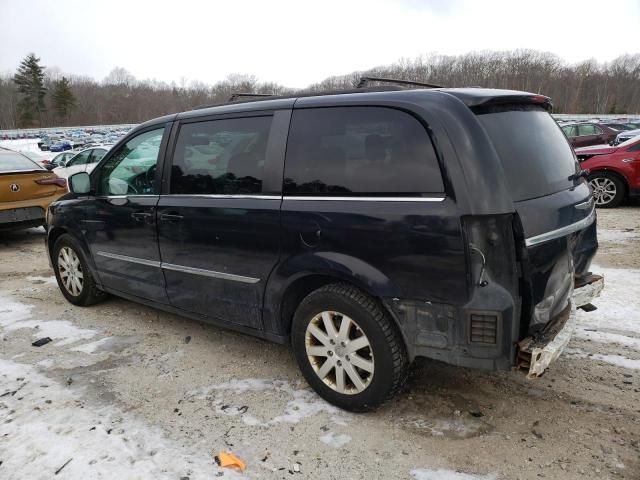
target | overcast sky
[{"x": 294, "y": 42}]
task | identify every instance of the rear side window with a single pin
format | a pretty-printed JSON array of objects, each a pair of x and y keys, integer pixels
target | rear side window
[
  {"x": 346, "y": 151},
  {"x": 535, "y": 155},
  {"x": 220, "y": 156},
  {"x": 586, "y": 130}
]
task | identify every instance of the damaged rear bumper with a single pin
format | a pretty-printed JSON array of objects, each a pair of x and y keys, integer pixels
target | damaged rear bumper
[{"x": 535, "y": 354}]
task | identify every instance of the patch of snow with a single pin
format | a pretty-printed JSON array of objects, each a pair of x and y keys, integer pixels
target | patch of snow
[
  {"x": 39, "y": 437},
  {"x": 46, "y": 363},
  {"x": 303, "y": 404},
  {"x": 617, "y": 310},
  {"x": 51, "y": 280},
  {"x": 61, "y": 332},
  {"x": 619, "y": 361},
  {"x": 617, "y": 236},
  {"x": 442, "y": 474},
  {"x": 16, "y": 315},
  {"x": 12, "y": 311},
  {"x": 108, "y": 344},
  {"x": 335, "y": 441},
  {"x": 606, "y": 337}
]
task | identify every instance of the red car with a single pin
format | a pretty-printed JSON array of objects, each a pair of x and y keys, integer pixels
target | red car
[
  {"x": 614, "y": 172},
  {"x": 585, "y": 134}
]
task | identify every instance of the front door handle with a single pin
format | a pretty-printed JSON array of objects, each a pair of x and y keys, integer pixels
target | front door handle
[
  {"x": 171, "y": 217},
  {"x": 141, "y": 215}
]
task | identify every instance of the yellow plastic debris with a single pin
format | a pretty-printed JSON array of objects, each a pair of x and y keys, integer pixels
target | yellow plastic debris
[{"x": 229, "y": 460}]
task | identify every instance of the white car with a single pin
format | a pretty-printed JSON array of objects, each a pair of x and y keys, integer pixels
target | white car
[{"x": 84, "y": 161}]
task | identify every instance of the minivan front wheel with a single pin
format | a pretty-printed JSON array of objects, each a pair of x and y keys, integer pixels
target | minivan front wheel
[
  {"x": 72, "y": 273},
  {"x": 608, "y": 190},
  {"x": 348, "y": 348}
]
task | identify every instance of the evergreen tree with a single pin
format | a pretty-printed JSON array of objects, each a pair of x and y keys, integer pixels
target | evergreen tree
[
  {"x": 30, "y": 81},
  {"x": 63, "y": 99}
]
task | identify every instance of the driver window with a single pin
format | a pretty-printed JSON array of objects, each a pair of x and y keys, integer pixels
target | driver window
[
  {"x": 80, "y": 159},
  {"x": 131, "y": 169}
]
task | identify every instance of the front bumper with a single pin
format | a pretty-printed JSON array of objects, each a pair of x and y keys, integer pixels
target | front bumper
[{"x": 535, "y": 354}]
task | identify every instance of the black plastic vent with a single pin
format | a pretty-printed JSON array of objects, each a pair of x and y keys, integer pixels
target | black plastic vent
[{"x": 483, "y": 328}]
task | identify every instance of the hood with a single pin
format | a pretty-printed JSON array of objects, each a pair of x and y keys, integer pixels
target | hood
[{"x": 595, "y": 150}]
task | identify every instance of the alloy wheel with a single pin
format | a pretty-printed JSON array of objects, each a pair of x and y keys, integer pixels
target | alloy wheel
[
  {"x": 339, "y": 352},
  {"x": 70, "y": 270},
  {"x": 604, "y": 190}
]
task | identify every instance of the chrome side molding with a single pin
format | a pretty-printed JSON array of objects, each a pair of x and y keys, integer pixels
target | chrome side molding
[{"x": 180, "y": 268}]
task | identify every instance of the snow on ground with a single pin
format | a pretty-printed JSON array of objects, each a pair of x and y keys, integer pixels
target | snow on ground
[
  {"x": 15, "y": 316},
  {"x": 617, "y": 236},
  {"x": 43, "y": 425},
  {"x": 440, "y": 474},
  {"x": 617, "y": 307},
  {"x": 303, "y": 403},
  {"x": 335, "y": 441},
  {"x": 50, "y": 280}
]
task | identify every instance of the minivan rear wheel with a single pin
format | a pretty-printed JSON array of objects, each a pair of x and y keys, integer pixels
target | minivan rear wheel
[
  {"x": 348, "y": 348},
  {"x": 608, "y": 189},
  {"x": 72, "y": 273}
]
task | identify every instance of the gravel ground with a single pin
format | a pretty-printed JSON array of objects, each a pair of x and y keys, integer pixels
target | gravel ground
[{"x": 126, "y": 391}]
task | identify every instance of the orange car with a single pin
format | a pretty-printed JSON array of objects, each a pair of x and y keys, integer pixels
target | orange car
[{"x": 26, "y": 190}]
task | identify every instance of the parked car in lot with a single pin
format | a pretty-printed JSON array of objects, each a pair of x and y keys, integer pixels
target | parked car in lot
[
  {"x": 378, "y": 237},
  {"x": 83, "y": 161},
  {"x": 614, "y": 171},
  {"x": 585, "y": 134},
  {"x": 626, "y": 135},
  {"x": 60, "y": 146},
  {"x": 620, "y": 127},
  {"x": 26, "y": 190},
  {"x": 60, "y": 160}
]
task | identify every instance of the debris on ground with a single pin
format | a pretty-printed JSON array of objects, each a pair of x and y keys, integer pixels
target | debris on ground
[
  {"x": 229, "y": 460},
  {"x": 41, "y": 342},
  {"x": 63, "y": 465}
]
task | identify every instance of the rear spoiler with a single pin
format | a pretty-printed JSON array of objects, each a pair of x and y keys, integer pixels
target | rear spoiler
[
  {"x": 18, "y": 172},
  {"x": 479, "y": 99}
]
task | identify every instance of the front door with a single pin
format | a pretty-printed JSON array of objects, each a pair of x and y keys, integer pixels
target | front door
[
  {"x": 121, "y": 220},
  {"x": 219, "y": 223}
]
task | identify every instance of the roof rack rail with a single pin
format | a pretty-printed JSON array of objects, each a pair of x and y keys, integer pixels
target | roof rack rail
[
  {"x": 235, "y": 96},
  {"x": 364, "y": 80}
]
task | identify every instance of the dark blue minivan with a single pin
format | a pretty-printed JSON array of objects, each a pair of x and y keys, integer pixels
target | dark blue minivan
[{"x": 367, "y": 228}]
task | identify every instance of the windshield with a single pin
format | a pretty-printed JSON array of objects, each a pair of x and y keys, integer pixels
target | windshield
[
  {"x": 11, "y": 161},
  {"x": 535, "y": 154}
]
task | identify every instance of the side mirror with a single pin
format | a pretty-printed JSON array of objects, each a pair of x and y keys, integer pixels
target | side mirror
[{"x": 80, "y": 183}]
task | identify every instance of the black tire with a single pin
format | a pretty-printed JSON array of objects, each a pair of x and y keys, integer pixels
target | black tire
[
  {"x": 605, "y": 201},
  {"x": 386, "y": 345},
  {"x": 89, "y": 294}
]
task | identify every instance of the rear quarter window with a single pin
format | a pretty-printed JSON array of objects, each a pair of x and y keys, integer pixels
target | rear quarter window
[
  {"x": 359, "y": 151},
  {"x": 535, "y": 155}
]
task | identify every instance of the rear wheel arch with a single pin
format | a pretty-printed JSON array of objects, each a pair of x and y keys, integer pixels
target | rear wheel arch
[
  {"x": 52, "y": 237},
  {"x": 303, "y": 286}
]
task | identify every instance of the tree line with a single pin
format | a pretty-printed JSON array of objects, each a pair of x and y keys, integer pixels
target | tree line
[{"x": 39, "y": 96}]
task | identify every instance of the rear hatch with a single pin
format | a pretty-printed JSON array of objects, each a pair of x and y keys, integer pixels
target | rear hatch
[{"x": 555, "y": 221}]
